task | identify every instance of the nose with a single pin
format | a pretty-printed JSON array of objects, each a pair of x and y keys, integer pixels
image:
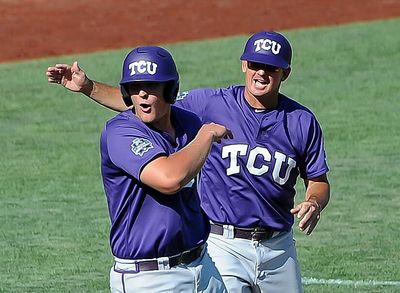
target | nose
[
  {"x": 261, "y": 71},
  {"x": 143, "y": 94}
]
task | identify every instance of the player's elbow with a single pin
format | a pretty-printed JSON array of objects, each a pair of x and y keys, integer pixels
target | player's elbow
[
  {"x": 163, "y": 177},
  {"x": 169, "y": 185}
]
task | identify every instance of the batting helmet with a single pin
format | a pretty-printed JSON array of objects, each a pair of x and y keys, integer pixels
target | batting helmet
[
  {"x": 270, "y": 48},
  {"x": 150, "y": 63}
]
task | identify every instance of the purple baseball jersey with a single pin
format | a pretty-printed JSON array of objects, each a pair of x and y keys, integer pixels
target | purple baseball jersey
[
  {"x": 250, "y": 180},
  {"x": 144, "y": 222}
]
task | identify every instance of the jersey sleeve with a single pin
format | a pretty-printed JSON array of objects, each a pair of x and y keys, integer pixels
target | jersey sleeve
[
  {"x": 195, "y": 100},
  {"x": 315, "y": 162},
  {"x": 128, "y": 147}
]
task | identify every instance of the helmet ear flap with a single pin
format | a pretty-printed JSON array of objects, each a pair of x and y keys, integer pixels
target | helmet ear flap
[
  {"x": 171, "y": 91},
  {"x": 126, "y": 96}
]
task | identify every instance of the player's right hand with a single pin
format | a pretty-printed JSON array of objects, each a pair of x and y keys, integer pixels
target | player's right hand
[
  {"x": 71, "y": 77},
  {"x": 218, "y": 131}
]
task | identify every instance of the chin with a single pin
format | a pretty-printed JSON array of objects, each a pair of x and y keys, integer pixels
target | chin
[
  {"x": 258, "y": 93},
  {"x": 146, "y": 118}
]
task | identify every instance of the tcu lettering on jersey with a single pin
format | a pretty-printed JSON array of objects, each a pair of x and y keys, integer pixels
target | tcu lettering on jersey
[
  {"x": 143, "y": 66},
  {"x": 267, "y": 45},
  {"x": 282, "y": 161}
]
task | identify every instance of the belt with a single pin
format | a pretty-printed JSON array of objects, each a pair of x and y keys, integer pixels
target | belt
[
  {"x": 256, "y": 234},
  {"x": 185, "y": 257}
]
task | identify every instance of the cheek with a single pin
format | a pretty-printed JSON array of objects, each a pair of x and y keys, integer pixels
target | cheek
[
  {"x": 161, "y": 105},
  {"x": 135, "y": 99},
  {"x": 249, "y": 77}
]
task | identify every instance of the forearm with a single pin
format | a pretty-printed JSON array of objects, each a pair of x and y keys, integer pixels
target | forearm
[
  {"x": 106, "y": 95},
  {"x": 187, "y": 163},
  {"x": 319, "y": 192},
  {"x": 316, "y": 199},
  {"x": 169, "y": 174}
]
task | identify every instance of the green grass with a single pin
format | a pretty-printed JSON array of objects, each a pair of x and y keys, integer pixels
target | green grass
[{"x": 54, "y": 221}]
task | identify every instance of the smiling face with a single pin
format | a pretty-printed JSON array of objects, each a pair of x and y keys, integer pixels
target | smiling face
[
  {"x": 150, "y": 105},
  {"x": 263, "y": 83}
]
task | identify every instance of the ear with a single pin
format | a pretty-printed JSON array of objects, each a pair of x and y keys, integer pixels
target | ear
[
  {"x": 244, "y": 66},
  {"x": 286, "y": 73}
]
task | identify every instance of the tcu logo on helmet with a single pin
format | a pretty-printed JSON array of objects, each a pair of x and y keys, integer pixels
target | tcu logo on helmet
[
  {"x": 143, "y": 66},
  {"x": 267, "y": 45}
]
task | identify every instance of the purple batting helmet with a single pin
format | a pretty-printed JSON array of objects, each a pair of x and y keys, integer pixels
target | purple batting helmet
[
  {"x": 150, "y": 63},
  {"x": 270, "y": 48}
]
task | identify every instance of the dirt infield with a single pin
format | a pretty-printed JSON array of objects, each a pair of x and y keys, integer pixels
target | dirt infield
[{"x": 39, "y": 28}]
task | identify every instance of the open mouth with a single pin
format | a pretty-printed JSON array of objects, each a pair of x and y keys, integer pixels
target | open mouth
[
  {"x": 145, "y": 107},
  {"x": 259, "y": 83}
]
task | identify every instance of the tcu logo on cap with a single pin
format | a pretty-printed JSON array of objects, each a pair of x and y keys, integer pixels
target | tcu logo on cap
[
  {"x": 143, "y": 66},
  {"x": 267, "y": 45}
]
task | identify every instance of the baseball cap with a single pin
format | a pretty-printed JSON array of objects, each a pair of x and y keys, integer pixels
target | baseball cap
[{"x": 270, "y": 48}]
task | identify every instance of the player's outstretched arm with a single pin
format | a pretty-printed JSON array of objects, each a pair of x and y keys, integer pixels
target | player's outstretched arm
[
  {"x": 73, "y": 78},
  {"x": 317, "y": 197},
  {"x": 169, "y": 174}
]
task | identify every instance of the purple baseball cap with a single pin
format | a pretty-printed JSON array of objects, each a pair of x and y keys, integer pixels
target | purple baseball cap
[{"x": 270, "y": 48}]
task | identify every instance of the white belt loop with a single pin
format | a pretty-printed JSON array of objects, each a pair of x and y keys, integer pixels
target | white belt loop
[
  {"x": 276, "y": 233},
  {"x": 163, "y": 263},
  {"x": 229, "y": 231}
]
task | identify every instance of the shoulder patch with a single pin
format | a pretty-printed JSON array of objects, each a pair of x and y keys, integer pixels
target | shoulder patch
[
  {"x": 140, "y": 146},
  {"x": 182, "y": 95}
]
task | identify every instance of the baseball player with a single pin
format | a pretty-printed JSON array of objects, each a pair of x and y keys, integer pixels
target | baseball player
[
  {"x": 247, "y": 185},
  {"x": 149, "y": 157}
]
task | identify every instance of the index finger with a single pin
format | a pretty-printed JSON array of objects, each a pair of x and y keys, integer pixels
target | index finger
[
  {"x": 229, "y": 134},
  {"x": 313, "y": 224},
  {"x": 62, "y": 66}
]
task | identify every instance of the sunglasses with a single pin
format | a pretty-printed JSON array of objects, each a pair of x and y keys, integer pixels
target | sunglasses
[{"x": 258, "y": 66}]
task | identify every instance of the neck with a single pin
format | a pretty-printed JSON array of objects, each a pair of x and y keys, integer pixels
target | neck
[
  {"x": 164, "y": 124},
  {"x": 267, "y": 101}
]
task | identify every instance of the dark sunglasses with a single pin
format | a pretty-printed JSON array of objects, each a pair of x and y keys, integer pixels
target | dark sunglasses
[{"x": 258, "y": 66}]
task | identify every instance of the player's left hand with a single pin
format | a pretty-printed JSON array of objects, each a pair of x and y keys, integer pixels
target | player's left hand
[{"x": 309, "y": 213}]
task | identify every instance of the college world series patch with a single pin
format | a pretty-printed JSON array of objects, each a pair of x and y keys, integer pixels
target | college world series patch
[{"x": 140, "y": 145}]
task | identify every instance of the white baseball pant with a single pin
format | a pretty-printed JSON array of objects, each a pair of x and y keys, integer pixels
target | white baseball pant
[
  {"x": 267, "y": 266},
  {"x": 200, "y": 275}
]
